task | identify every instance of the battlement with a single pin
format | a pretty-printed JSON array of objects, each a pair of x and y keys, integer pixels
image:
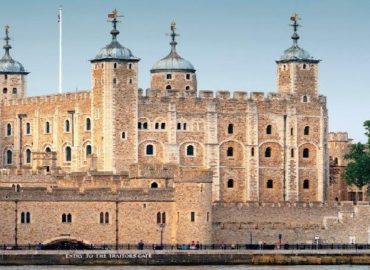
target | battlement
[
  {"x": 215, "y": 95},
  {"x": 338, "y": 136},
  {"x": 90, "y": 194},
  {"x": 80, "y": 95}
]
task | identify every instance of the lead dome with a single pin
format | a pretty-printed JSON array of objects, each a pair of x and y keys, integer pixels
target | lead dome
[
  {"x": 173, "y": 61},
  {"x": 7, "y": 63}
]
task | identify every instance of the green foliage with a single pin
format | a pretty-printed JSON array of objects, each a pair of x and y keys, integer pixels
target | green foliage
[{"x": 358, "y": 170}]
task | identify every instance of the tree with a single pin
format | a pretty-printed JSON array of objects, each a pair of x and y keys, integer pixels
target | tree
[{"x": 357, "y": 171}]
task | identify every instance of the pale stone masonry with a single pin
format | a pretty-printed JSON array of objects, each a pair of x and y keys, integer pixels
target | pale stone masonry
[{"x": 128, "y": 165}]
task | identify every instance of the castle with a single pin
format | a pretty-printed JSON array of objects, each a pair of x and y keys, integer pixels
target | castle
[{"x": 116, "y": 165}]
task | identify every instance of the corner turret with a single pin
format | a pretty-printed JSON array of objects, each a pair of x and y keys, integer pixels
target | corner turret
[
  {"x": 297, "y": 71},
  {"x": 173, "y": 71},
  {"x": 12, "y": 74}
]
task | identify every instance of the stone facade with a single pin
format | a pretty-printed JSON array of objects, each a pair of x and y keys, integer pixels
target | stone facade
[{"x": 168, "y": 161}]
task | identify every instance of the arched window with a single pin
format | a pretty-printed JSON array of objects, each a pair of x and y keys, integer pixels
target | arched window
[
  {"x": 154, "y": 185},
  {"x": 230, "y": 152},
  {"x": 336, "y": 161},
  {"x": 168, "y": 87},
  {"x": 139, "y": 125},
  {"x": 23, "y": 217},
  {"x": 306, "y": 130},
  {"x": 230, "y": 129},
  {"x": 9, "y": 157},
  {"x": 270, "y": 184},
  {"x": 269, "y": 129},
  {"x": 291, "y": 152},
  {"x": 158, "y": 218},
  {"x": 47, "y": 149},
  {"x": 187, "y": 87},
  {"x": 149, "y": 150},
  {"x": 28, "y": 128},
  {"x": 88, "y": 124},
  {"x": 252, "y": 151},
  {"x": 268, "y": 152},
  {"x": 28, "y": 156},
  {"x": 115, "y": 65},
  {"x": 306, "y": 153},
  {"x": 101, "y": 218},
  {"x": 88, "y": 150},
  {"x": 306, "y": 184},
  {"x": 123, "y": 135},
  {"x": 163, "y": 125},
  {"x": 106, "y": 217},
  {"x": 67, "y": 126},
  {"x": 5, "y": 90},
  {"x": 47, "y": 127},
  {"x": 184, "y": 126},
  {"x": 304, "y": 99},
  {"x": 64, "y": 218},
  {"x": 68, "y": 153},
  {"x": 145, "y": 125},
  {"x": 230, "y": 183},
  {"x": 69, "y": 218},
  {"x": 129, "y": 66},
  {"x": 179, "y": 126},
  {"x": 163, "y": 218},
  {"x": 190, "y": 150},
  {"x": 9, "y": 129},
  {"x": 114, "y": 80},
  {"x": 14, "y": 91},
  {"x": 28, "y": 217},
  {"x": 156, "y": 126},
  {"x": 304, "y": 66}
]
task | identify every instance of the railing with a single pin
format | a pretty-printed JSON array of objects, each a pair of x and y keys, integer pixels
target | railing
[{"x": 83, "y": 246}]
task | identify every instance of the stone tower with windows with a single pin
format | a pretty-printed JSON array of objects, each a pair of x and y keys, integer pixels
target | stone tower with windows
[
  {"x": 174, "y": 72},
  {"x": 305, "y": 121},
  {"x": 114, "y": 102},
  {"x": 297, "y": 71},
  {"x": 12, "y": 74}
]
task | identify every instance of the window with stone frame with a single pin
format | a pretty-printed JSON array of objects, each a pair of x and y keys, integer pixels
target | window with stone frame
[
  {"x": 230, "y": 183},
  {"x": 270, "y": 183},
  {"x": 306, "y": 153}
]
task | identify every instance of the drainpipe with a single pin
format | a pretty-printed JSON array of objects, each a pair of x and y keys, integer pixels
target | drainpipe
[
  {"x": 285, "y": 153},
  {"x": 16, "y": 224}
]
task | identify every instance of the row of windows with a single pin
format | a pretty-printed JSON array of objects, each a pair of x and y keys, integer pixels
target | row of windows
[
  {"x": 149, "y": 151},
  {"x": 169, "y": 87},
  {"x": 169, "y": 76},
  {"x": 115, "y": 65},
  {"x": 28, "y": 154},
  {"x": 270, "y": 184},
  {"x": 144, "y": 125},
  {"x": 104, "y": 217},
  {"x": 47, "y": 127},
  {"x": 306, "y": 130},
  {"x": 14, "y": 91}
]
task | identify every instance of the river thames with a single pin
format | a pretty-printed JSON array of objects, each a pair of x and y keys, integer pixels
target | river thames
[{"x": 219, "y": 267}]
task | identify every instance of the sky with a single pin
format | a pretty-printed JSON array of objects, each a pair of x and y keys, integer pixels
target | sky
[{"x": 233, "y": 44}]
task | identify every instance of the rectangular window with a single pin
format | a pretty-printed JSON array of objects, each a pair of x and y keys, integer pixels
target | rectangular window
[
  {"x": 192, "y": 216},
  {"x": 168, "y": 76},
  {"x": 188, "y": 76}
]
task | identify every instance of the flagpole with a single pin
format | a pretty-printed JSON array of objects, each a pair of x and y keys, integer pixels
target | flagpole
[{"x": 60, "y": 49}]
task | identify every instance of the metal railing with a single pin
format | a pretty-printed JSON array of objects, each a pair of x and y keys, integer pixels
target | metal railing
[{"x": 83, "y": 246}]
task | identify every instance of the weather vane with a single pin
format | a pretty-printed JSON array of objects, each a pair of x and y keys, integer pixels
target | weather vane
[{"x": 114, "y": 15}]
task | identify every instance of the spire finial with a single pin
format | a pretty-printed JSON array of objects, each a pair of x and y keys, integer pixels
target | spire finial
[
  {"x": 7, "y": 46},
  {"x": 112, "y": 17},
  {"x": 294, "y": 18},
  {"x": 173, "y": 35}
]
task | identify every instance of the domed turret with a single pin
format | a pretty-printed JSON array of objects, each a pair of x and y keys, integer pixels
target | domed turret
[
  {"x": 173, "y": 72},
  {"x": 7, "y": 64},
  {"x": 297, "y": 69},
  {"x": 12, "y": 73},
  {"x": 114, "y": 50}
]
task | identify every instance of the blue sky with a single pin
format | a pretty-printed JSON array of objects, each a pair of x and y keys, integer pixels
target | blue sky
[{"x": 233, "y": 44}]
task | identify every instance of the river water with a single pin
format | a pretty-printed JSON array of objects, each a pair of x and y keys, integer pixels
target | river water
[{"x": 219, "y": 267}]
